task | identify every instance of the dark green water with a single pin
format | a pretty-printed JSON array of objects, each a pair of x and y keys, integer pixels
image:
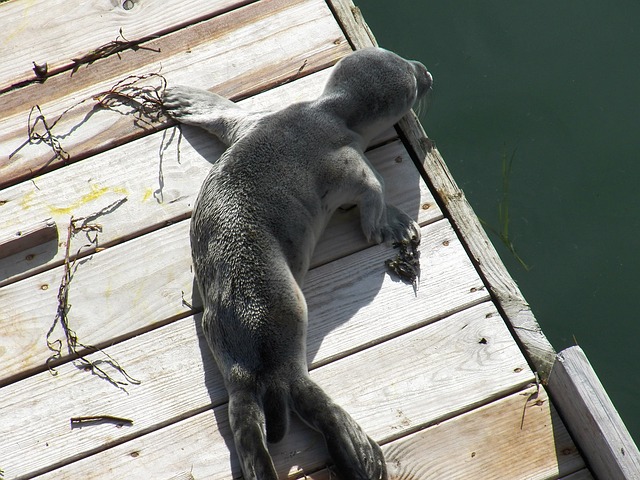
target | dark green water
[{"x": 556, "y": 85}]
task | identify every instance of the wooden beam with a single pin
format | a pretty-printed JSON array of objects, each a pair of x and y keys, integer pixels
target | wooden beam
[
  {"x": 33, "y": 36},
  {"x": 353, "y": 24},
  {"x": 477, "y": 444},
  {"x": 29, "y": 236},
  {"x": 591, "y": 418}
]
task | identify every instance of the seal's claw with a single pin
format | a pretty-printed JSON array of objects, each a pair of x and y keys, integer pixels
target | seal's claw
[{"x": 401, "y": 228}]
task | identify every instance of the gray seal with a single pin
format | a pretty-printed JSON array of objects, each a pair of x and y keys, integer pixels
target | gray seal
[{"x": 255, "y": 224}]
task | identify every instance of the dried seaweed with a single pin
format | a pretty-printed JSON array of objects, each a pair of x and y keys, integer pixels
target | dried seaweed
[
  {"x": 114, "y": 47},
  {"x": 129, "y": 96},
  {"x": 47, "y": 137},
  {"x": 144, "y": 101},
  {"x": 406, "y": 264},
  {"x": 164, "y": 145},
  {"x": 73, "y": 345}
]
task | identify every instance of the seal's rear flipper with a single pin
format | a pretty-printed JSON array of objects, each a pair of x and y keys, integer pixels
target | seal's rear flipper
[
  {"x": 355, "y": 455},
  {"x": 248, "y": 426},
  {"x": 210, "y": 111}
]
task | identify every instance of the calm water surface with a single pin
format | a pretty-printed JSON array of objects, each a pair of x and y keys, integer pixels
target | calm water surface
[{"x": 556, "y": 86}]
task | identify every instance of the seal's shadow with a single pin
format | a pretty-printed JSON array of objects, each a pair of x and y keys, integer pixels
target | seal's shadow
[
  {"x": 367, "y": 287},
  {"x": 205, "y": 144}
]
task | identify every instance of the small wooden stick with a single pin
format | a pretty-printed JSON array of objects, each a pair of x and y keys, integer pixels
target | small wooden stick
[{"x": 77, "y": 421}]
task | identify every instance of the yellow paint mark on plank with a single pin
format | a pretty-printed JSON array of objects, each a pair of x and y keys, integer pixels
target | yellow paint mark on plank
[
  {"x": 147, "y": 194},
  {"x": 25, "y": 201},
  {"x": 96, "y": 192}
]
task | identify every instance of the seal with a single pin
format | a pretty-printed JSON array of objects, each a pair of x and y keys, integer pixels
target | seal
[{"x": 256, "y": 221}]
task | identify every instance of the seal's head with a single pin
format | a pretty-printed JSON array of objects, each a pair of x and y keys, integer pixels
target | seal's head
[{"x": 374, "y": 86}]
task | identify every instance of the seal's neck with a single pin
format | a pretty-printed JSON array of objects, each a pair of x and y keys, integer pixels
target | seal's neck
[{"x": 365, "y": 117}]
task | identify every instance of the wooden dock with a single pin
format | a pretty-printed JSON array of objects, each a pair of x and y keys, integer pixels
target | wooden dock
[{"x": 94, "y": 217}]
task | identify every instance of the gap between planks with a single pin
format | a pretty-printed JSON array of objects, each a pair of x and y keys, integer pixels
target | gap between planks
[{"x": 147, "y": 289}]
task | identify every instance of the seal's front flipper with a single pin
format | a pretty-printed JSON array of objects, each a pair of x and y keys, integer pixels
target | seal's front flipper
[
  {"x": 400, "y": 227},
  {"x": 207, "y": 110},
  {"x": 382, "y": 222}
]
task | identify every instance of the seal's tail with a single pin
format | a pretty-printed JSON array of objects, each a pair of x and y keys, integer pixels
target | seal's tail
[
  {"x": 276, "y": 411},
  {"x": 355, "y": 455}
]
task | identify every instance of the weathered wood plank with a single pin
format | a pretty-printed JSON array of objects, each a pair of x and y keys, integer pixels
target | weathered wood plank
[
  {"x": 149, "y": 277},
  {"x": 591, "y": 418},
  {"x": 33, "y": 36},
  {"x": 238, "y": 54},
  {"x": 583, "y": 474},
  {"x": 353, "y": 24},
  {"x": 481, "y": 444},
  {"x": 403, "y": 384},
  {"x": 159, "y": 188},
  {"x": 503, "y": 287}
]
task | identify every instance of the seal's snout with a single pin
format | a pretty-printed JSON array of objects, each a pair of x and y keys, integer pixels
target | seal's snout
[
  {"x": 423, "y": 78},
  {"x": 429, "y": 79}
]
